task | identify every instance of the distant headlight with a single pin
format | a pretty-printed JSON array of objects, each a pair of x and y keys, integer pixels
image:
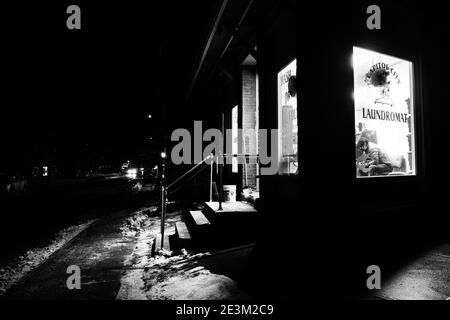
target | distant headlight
[{"x": 132, "y": 173}]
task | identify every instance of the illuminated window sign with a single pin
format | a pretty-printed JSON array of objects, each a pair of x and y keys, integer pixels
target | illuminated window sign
[
  {"x": 287, "y": 119},
  {"x": 384, "y": 115}
]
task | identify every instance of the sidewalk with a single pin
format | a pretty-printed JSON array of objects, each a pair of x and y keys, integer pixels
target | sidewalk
[
  {"x": 425, "y": 278},
  {"x": 99, "y": 251},
  {"x": 114, "y": 256}
]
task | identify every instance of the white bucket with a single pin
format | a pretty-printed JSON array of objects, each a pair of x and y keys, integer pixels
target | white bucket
[{"x": 229, "y": 193}]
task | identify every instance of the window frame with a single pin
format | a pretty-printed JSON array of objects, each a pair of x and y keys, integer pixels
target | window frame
[
  {"x": 280, "y": 116},
  {"x": 414, "y": 109},
  {"x": 420, "y": 122}
]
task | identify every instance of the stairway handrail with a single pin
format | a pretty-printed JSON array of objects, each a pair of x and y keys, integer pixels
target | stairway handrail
[
  {"x": 164, "y": 193},
  {"x": 187, "y": 173},
  {"x": 175, "y": 174},
  {"x": 186, "y": 181},
  {"x": 165, "y": 188}
]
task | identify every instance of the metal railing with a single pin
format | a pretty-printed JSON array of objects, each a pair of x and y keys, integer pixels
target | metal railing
[{"x": 169, "y": 189}]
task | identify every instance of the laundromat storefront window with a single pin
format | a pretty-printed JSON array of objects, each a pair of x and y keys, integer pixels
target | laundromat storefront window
[
  {"x": 384, "y": 115},
  {"x": 287, "y": 120}
]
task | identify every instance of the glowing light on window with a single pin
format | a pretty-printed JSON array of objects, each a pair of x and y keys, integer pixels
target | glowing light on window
[{"x": 384, "y": 114}]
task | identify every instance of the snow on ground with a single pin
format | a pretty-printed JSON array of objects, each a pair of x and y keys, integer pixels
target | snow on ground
[
  {"x": 15, "y": 270},
  {"x": 145, "y": 225},
  {"x": 167, "y": 277},
  {"x": 140, "y": 186},
  {"x": 131, "y": 283},
  {"x": 250, "y": 195},
  {"x": 184, "y": 278}
]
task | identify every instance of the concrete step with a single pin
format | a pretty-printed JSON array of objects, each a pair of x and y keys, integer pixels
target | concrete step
[
  {"x": 237, "y": 207},
  {"x": 201, "y": 229},
  {"x": 183, "y": 237},
  {"x": 237, "y": 224},
  {"x": 199, "y": 218},
  {"x": 157, "y": 243},
  {"x": 182, "y": 231}
]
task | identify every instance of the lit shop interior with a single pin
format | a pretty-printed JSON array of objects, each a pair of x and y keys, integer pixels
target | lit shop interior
[{"x": 384, "y": 114}]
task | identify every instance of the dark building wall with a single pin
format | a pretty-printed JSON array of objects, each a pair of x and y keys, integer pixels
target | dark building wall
[
  {"x": 341, "y": 224},
  {"x": 281, "y": 206}
]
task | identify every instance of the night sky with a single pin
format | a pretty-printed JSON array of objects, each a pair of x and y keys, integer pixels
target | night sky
[{"x": 87, "y": 94}]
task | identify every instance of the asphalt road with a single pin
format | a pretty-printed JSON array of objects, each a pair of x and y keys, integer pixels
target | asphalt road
[{"x": 30, "y": 220}]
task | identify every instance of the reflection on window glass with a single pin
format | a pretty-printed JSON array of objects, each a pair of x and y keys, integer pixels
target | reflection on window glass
[
  {"x": 287, "y": 119},
  {"x": 384, "y": 115}
]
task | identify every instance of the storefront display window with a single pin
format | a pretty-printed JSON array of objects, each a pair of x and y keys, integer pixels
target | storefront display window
[
  {"x": 287, "y": 119},
  {"x": 384, "y": 115}
]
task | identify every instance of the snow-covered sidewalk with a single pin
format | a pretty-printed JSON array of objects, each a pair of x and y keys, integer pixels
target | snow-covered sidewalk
[
  {"x": 116, "y": 262},
  {"x": 16, "y": 269},
  {"x": 185, "y": 276}
]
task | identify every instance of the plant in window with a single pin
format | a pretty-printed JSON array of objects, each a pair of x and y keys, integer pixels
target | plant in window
[
  {"x": 292, "y": 86},
  {"x": 381, "y": 79},
  {"x": 377, "y": 78}
]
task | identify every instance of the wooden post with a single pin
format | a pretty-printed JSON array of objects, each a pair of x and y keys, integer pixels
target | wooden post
[
  {"x": 258, "y": 166},
  {"x": 245, "y": 171}
]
